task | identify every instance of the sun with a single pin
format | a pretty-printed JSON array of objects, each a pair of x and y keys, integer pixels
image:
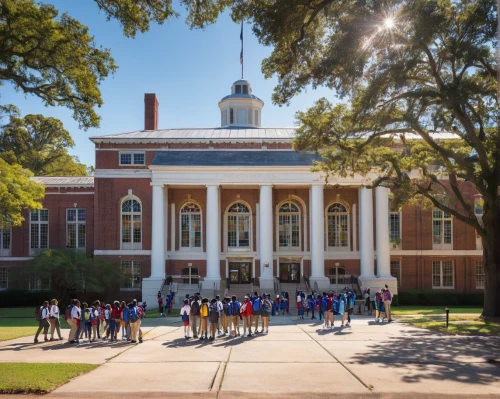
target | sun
[{"x": 389, "y": 23}]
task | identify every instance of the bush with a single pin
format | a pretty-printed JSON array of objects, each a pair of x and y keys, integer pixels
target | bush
[
  {"x": 24, "y": 298},
  {"x": 395, "y": 300},
  {"x": 440, "y": 298}
]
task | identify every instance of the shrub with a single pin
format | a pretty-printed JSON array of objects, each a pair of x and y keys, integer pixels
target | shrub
[
  {"x": 395, "y": 300},
  {"x": 440, "y": 298}
]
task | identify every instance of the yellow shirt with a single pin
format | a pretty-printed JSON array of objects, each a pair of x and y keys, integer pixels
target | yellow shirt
[{"x": 204, "y": 310}]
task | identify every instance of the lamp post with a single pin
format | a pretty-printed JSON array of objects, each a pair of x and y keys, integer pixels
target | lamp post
[{"x": 337, "y": 264}]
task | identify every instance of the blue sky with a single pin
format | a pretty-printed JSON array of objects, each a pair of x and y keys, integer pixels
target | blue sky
[{"x": 189, "y": 70}]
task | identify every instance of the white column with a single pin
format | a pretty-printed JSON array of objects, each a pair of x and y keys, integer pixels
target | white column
[
  {"x": 266, "y": 236},
  {"x": 172, "y": 227},
  {"x": 158, "y": 233},
  {"x": 382, "y": 228},
  {"x": 318, "y": 236},
  {"x": 354, "y": 229},
  {"x": 213, "y": 236},
  {"x": 366, "y": 232}
]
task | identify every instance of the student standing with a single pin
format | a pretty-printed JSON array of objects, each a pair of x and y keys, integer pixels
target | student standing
[
  {"x": 74, "y": 321},
  {"x": 256, "y": 312},
  {"x": 134, "y": 321},
  {"x": 54, "y": 320},
  {"x": 220, "y": 308},
  {"x": 329, "y": 312},
  {"x": 377, "y": 300},
  {"x": 322, "y": 305},
  {"x": 368, "y": 300},
  {"x": 107, "y": 320},
  {"x": 267, "y": 307},
  {"x": 225, "y": 316},
  {"x": 125, "y": 320},
  {"x": 194, "y": 316},
  {"x": 160, "y": 304},
  {"x": 387, "y": 303},
  {"x": 311, "y": 304},
  {"x": 43, "y": 321},
  {"x": 185, "y": 312},
  {"x": 234, "y": 313},
  {"x": 88, "y": 316},
  {"x": 204, "y": 311},
  {"x": 115, "y": 320},
  {"x": 246, "y": 313},
  {"x": 213, "y": 315}
]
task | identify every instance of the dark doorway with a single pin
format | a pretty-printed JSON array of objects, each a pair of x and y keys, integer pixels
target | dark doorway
[
  {"x": 290, "y": 272},
  {"x": 240, "y": 272}
]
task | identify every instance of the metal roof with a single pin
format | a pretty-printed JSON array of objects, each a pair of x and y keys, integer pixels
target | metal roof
[
  {"x": 238, "y": 95},
  {"x": 64, "y": 180},
  {"x": 234, "y": 158},
  {"x": 245, "y": 133}
]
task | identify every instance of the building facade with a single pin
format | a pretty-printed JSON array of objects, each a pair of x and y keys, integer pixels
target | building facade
[{"x": 235, "y": 206}]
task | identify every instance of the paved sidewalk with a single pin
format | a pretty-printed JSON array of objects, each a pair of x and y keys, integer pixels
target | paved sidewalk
[{"x": 296, "y": 359}]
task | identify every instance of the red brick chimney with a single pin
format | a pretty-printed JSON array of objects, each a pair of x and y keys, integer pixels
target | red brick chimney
[{"x": 150, "y": 111}]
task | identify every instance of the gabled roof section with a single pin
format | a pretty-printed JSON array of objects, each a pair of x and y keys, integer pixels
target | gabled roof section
[
  {"x": 234, "y": 158},
  {"x": 198, "y": 134},
  {"x": 65, "y": 181}
]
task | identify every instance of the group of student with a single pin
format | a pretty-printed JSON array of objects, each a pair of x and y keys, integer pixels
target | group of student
[
  {"x": 165, "y": 303},
  {"x": 225, "y": 316},
  {"x": 381, "y": 302},
  {"x": 93, "y": 322}
]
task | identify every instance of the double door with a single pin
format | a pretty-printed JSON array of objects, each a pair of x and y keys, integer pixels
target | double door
[
  {"x": 290, "y": 272},
  {"x": 240, "y": 272}
]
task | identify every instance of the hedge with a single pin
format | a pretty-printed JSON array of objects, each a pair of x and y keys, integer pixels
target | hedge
[
  {"x": 440, "y": 298},
  {"x": 23, "y": 298}
]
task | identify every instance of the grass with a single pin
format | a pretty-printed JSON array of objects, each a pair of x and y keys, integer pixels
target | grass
[
  {"x": 461, "y": 325},
  {"x": 38, "y": 377},
  {"x": 17, "y": 312},
  {"x": 7, "y": 333},
  {"x": 153, "y": 313},
  {"x": 431, "y": 310}
]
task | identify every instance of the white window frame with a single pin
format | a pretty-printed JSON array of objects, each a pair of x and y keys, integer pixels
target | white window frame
[
  {"x": 226, "y": 227},
  {"x": 77, "y": 223},
  {"x": 36, "y": 250},
  {"x": 191, "y": 234},
  {"x": 35, "y": 283},
  {"x": 132, "y": 160},
  {"x": 299, "y": 214},
  {"x": 136, "y": 271},
  {"x": 399, "y": 261},
  {"x": 7, "y": 227},
  {"x": 4, "y": 278},
  {"x": 480, "y": 267},
  {"x": 442, "y": 219},
  {"x": 392, "y": 242},
  {"x": 440, "y": 264},
  {"x": 131, "y": 245},
  {"x": 329, "y": 214}
]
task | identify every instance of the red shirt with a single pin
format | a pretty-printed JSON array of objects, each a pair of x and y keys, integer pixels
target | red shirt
[
  {"x": 248, "y": 309},
  {"x": 329, "y": 303},
  {"x": 115, "y": 313}
]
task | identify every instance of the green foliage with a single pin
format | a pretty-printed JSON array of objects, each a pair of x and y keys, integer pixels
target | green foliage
[
  {"x": 17, "y": 192},
  {"x": 17, "y": 298},
  {"x": 440, "y": 298},
  {"x": 71, "y": 270},
  {"x": 39, "y": 144}
]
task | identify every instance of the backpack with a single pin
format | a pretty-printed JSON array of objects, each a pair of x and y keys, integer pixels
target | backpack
[
  {"x": 38, "y": 313},
  {"x": 185, "y": 317},
  {"x": 335, "y": 305},
  {"x": 324, "y": 304},
  {"x": 267, "y": 306},
  {"x": 195, "y": 308},
  {"x": 133, "y": 314},
  {"x": 140, "y": 312},
  {"x": 67, "y": 313},
  {"x": 160, "y": 301},
  {"x": 256, "y": 305},
  {"x": 233, "y": 309}
]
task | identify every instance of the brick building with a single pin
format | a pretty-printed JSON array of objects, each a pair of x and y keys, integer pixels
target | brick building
[{"x": 235, "y": 206}]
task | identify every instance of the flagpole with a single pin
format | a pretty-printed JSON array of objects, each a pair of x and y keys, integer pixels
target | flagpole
[{"x": 242, "y": 49}]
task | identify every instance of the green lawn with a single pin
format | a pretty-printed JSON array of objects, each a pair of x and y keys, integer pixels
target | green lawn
[
  {"x": 462, "y": 325},
  {"x": 153, "y": 313},
  {"x": 430, "y": 310},
  {"x": 7, "y": 333},
  {"x": 17, "y": 312},
  {"x": 38, "y": 377}
]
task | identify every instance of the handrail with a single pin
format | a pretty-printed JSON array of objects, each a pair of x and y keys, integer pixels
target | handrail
[
  {"x": 215, "y": 289},
  {"x": 316, "y": 288},
  {"x": 226, "y": 292},
  {"x": 163, "y": 284},
  {"x": 200, "y": 286}
]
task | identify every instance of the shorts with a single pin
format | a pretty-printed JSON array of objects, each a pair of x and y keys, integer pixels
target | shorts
[
  {"x": 256, "y": 312},
  {"x": 265, "y": 314},
  {"x": 186, "y": 323}
]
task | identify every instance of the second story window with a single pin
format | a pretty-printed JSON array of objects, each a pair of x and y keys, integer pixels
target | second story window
[
  {"x": 5, "y": 240},
  {"x": 441, "y": 229},
  {"x": 190, "y": 226},
  {"x": 238, "y": 226},
  {"x": 39, "y": 231},
  {"x": 338, "y": 226},
  {"x": 289, "y": 226},
  {"x": 132, "y": 158},
  {"x": 75, "y": 228},
  {"x": 131, "y": 224}
]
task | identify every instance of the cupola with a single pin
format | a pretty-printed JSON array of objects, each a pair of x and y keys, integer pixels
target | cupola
[{"x": 241, "y": 108}]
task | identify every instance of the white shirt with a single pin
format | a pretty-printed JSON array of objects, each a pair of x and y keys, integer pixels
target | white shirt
[
  {"x": 220, "y": 307},
  {"x": 75, "y": 312},
  {"x": 54, "y": 311},
  {"x": 45, "y": 313},
  {"x": 185, "y": 308}
]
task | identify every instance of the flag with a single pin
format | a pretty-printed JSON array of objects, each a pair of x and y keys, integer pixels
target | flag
[{"x": 241, "y": 38}]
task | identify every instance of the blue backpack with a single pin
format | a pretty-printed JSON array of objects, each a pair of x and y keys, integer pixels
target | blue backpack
[
  {"x": 185, "y": 316},
  {"x": 335, "y": 305},
  {"x": 267, "y": 306},
  {"x": 324, "y": 304},
  {"x": 257, "y": 305},
  {"x": 133, "y": 314}
]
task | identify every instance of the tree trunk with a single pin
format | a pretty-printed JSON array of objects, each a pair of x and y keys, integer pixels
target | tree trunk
[{"x": 491, "y": 254}]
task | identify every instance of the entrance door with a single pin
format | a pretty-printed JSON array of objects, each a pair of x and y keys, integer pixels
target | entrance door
[
  {"x": 290, "y": 272},
  {"x": 239, "y": 272}
]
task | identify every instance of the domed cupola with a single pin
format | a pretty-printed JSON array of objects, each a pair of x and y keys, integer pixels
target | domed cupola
[{"x": 241, "y": 108}]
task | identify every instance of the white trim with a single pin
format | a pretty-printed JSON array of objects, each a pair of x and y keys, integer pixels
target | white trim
[
  {"x": 122, "y": 252},
  {"x": 190, "y": 248},
  {"x": 286, "y": 250},
  {"x": 74, "y": 193},
  {"x": 391, "y": 247},
  {"x": 34, "y": 251},
  {"x": 132, "y": 153},
  {"x": 227, "y": 248},
  {"x": 123, "y": 174},
  {"x": 6, "y": 252},
  {"x": 325, "y": 217},
  {"x": 354, "y": 228},
  {"x": 132, "y": 213},
  {"x": 257, "y": 226},
  {"x": 440, "y": 286},
  {"x": 442, "y": 245},
  {"x": 77, "y": 223}
]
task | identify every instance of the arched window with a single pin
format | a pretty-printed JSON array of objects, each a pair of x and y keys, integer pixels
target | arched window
[
  {"x": 131, "y": 224},
  {"x": 238, "y": 226},
  {"x": 190, "y": 226},
  {"x": 338, "y": 226},
  {"x": 289, "y": 225}
]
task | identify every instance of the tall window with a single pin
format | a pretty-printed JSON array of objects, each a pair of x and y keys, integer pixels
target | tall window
[
  {"x": 5, "y": 239},
  {"x": 442, "y": 274},
  {"x": 231, "y": 116},
  {"x": 131, "y": 270},
  {"x": 396, "y": 270},
  {"x": 75, "y": 228},
  {"x": 337, "y": 275},
  {"x": 338, "y": 226},
  {"x": 441, "y": 229},
  {"x": 190, "y": 226},
  {"x": 394, "y": 225},
  {"x": 132, "y": 158},
  {"x": 39, "y": 283},
  {"x": 190, "y": 275},
  {"x": 4, "y": 278},
  {"x": 238, "y": 226},
  {"x": 131, "y": 224},
  {"x": 39, "y": 231},
  {"x": 479, "y": 274},
  {"x": 289, "y": 226}
]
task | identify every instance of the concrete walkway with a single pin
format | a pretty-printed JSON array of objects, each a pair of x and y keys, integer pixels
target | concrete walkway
[{"x": 296, "y": 359}]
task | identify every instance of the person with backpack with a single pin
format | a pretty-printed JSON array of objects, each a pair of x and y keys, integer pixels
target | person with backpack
[
  {"x": 246, "y": 314},
  {"x": 225, "y": 316},
  {"x": 233, "y": 310},
  {"x": 81, "y": 325},
  {"x": 367, "y": 300},
  {"x": 267, "y": 307},
  {"x": 42, "y": 316},
  {"x": 134, "y": 321},
  {"x": 329, "y": 320},
  {"x": 114, "y": 322},
  {"x": 124, "y": 321},
  {"x": 194, "y": 315},
  {"x": 220, "y": 308},
  {"x": 322, "y": 301},
  {"x": 54, "y": 320},
  {"x": 160, "y": 305},
  {"x": 283, "y": 306},
  {"x": 378, "y": 302},
  {"x": 311, "y": 304},
  {"x": 185, "y": 312},
  {"x": 107, "y": 321},
  {"x": 256, "y": 304},
  {"x": 387, "y": 303},
  {"x": 213, "y": 316},
  {"x": 204, "y": 313},
  {"x": 73, "y": 319},
  {"x": 168, "y": 302},
  {"x": 88, "y": 317},
  {"x": 142, "y": 315},
  {"x": 342, "y": 307}
]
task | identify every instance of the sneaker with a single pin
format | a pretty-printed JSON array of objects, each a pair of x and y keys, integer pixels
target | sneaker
[
  {"x": 35, "y": 341},
  {"x": 245, "y": 335},
  {"x": 238, "y": 334},
  {"x": 201, "y": 338},
  {"x": 195, "y": 336},
  {"x": 211, "y": 338},
  {"x": 140, "y": 341}
]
